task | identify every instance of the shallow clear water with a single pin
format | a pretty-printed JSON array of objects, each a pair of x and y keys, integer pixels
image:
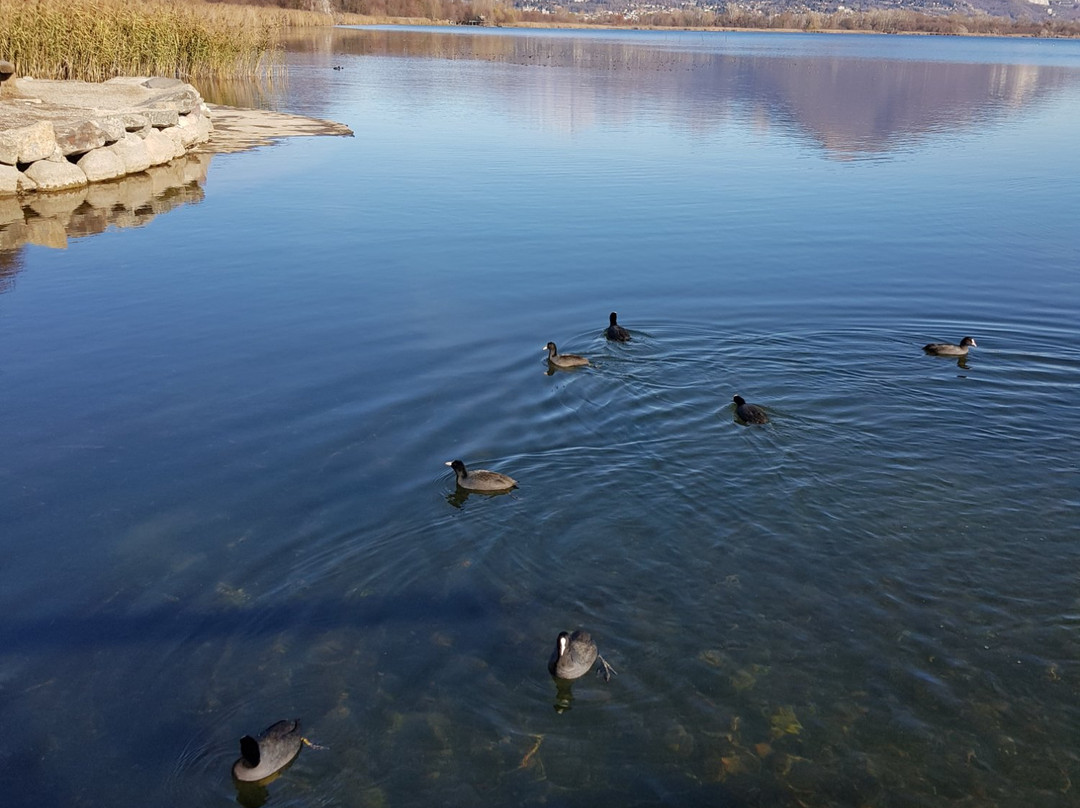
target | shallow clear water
[{"x": 222, "y": 491}]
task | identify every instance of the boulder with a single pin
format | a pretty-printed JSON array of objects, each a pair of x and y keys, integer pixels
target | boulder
[
  {"x": 101, "y": 164},
  {"x": 135, "y": 121},
  {"x": 27, "y": 144},
  {"x": 50, "y": 176},
  {"x": 159, "y": 147},
  {"x": 160, "y": 118},
  {"x": 113, "y": 127},
  {"x": 183, "y": 98},
  {"x": 26, "y": 185},
  {"x": 174, "y": 134},
  {"x": 9, "y": 149},
  {"x": 79, "y": 138},
  {"x": 132, "y": 150},
  {"x": 188, "y": 127},
  {"x": 162, "y": 83},
  {"x": 9, "y": 180}
]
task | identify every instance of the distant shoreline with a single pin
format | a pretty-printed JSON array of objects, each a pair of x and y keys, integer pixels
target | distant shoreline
[{"x": 592, "y": 26}]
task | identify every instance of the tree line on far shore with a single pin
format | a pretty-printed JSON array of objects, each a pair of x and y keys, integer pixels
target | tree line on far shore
[
  {"x": 891, "y": 21},
  {"x": 93, "y": 40}
]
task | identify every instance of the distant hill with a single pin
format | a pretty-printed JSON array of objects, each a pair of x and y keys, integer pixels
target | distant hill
[{"x": 1035, "y": 10}]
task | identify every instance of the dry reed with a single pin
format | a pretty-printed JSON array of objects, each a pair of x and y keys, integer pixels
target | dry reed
[{"x": 93, "y": 40}]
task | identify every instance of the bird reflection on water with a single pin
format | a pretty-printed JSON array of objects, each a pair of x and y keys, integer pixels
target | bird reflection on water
[{"x": 459, "y": 496}]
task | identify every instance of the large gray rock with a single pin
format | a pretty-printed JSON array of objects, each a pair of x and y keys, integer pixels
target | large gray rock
[
  {"x": 160, "y": 118},
  {"x": 51, "y": 176},
  {"x": 189, "y": 129},
  {"x": 135, "y": 121},
  {"x": 113, "y": 127},
  {"x": 183, "y": 98},
  {"x": 26, "y": 144},
  {"x": 9, "y": 149},
  {"x": 162, "y": 83},
  {"x": 9, "y": 180},
  {"x": 159, "y": 147},
  {"x": 174, "y": 134},
  {"x": 132, "y": 150},
  {"x": 206, "y": 126},
  {"x": 79, "y": 138},
  {"x": 101, "y": 164},
  {"x": 142, "y": 123}
]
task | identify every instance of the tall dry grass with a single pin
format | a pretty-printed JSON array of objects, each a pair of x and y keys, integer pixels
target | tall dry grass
[{"x": 93, "y": 40}]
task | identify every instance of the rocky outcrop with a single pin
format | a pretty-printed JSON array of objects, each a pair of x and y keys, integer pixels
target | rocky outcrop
[{"x": 59, "y": 135}]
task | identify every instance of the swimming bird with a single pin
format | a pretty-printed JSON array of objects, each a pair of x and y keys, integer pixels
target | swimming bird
[
  {"x": 564, "y": 360},
  {"x": 574, "y": 656},
  {"x": 749, "y": 413},
  {"x": 616, "y": 332},
  {"x": 480, "y": 479},
  {"x": 268, "y": 754},
  {"x": 948, "y": 349}
]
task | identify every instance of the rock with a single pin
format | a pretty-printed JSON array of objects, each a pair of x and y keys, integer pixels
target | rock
[
  {"x": 101, "y": 164},
  {"x": 174, "y": 134},
  {"x": 160, "y": 118},
  {"x": 9, "y": 149},
  {"x": 159, "y": 147},
  {"x": 26, "y": 185},
  {"x": 27, "y": 144},
  {"x": 190, "y": 131},
  {"x": 141, "y": 122},
  {"x": 135, "y": 121},
  {"x": 9, "y": 180},
  {"x": 206, "y": 126},
  {"x": 51, "y": 176},
  {"x": 113, "y": 127},
  {"x": 183, "y": 99},
  {"x": 132, "y": 150},
  {"x": 79, "y": 138},
  {"x": 162, "y": 83}
]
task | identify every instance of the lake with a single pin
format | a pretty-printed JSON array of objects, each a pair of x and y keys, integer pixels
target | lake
[{"x": 223, "y": 498}]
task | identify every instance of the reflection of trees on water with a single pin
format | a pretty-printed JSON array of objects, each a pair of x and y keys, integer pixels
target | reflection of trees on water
[
  {"x": 849, "y": 106},
  {"x": 49, "y": 220}
]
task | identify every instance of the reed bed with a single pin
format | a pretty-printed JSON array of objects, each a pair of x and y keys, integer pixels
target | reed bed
[{"x": 93, "y": 40}]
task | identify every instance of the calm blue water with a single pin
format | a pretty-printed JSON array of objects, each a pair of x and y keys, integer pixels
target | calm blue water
[{"x": 222, "y": 492}]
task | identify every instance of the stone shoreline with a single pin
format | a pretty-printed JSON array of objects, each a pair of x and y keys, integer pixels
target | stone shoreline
[{"x": 61, "y": 135}]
